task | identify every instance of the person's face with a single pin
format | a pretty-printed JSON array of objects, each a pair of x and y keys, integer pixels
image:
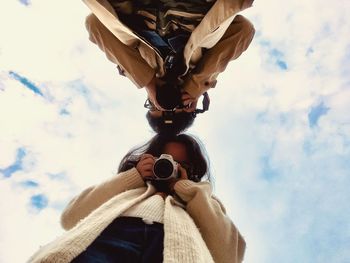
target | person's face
[{"x": 177, "y": 151}]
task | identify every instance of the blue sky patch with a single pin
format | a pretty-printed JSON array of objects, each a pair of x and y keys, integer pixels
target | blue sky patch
[
  {"x": 278, "y": 57},
  {"x": 17, "y": 165},
  {"x": 316, "y": 113},
  {"x": 267, "y": 171},
  {"x": 39, "y": 201},
  {"x": 64, "y": 112},
  {"x": 25, "y": 2},
  {"x": 84, "y": 91},
  {"x": 29, "y": 184},
  {"x": 282, "y": 65},
  {"x": 276, "y": 53},
  {"x": 27, "y": 83},
  {"x": 79, "y": 86},
  {"x": 57, "y": 176}
]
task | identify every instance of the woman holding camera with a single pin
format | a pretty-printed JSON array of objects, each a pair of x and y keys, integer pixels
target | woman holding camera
[{"x": 144, "y": 215}]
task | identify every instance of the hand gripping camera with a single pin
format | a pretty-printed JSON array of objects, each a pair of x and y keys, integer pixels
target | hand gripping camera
[{"x": 165, "y": 168}]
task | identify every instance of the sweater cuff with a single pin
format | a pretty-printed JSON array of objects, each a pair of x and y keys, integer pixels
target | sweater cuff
[
  {"x": 182, "y": 186},
  {"x": 187, "y": 189},
  {"x": 132, "y": 179}
]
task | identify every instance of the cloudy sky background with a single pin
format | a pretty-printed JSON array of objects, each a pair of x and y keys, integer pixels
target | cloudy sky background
[{"x": 277, "y": 131}]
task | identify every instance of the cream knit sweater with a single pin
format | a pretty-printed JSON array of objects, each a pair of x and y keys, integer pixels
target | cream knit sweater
[{"x": 197, "y": 232}]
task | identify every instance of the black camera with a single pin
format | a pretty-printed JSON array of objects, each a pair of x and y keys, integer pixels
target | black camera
[{"x": 169, "y": 96}]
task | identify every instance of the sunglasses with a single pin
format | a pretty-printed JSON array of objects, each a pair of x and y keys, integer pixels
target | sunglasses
[
  {"x": 150, "y": 106},
  {"x": 206, "y": 101}
]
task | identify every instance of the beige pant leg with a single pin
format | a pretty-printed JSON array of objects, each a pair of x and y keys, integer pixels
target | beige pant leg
[
  {"x": 126, "y": 57},
  {"x": 233, "y": 43}
]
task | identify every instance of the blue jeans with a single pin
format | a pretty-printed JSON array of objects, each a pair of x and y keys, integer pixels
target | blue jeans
[{"x": 126, "y": 239}]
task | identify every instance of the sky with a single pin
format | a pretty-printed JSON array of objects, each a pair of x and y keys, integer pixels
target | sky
[{"x": 277, "y": 132}]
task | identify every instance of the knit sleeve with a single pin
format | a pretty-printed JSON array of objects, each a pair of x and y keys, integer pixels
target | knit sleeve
[
  {"x": 219, "y": 233},
  {"x": 94, "y": 196}
]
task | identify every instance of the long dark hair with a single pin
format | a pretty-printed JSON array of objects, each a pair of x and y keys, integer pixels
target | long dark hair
[{"x": 196, "y": 152}]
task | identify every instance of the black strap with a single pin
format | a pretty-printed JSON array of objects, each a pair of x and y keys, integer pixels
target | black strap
[{"x": 205, "y": 104}]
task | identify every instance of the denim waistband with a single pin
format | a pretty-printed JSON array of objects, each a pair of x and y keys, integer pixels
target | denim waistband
[
  {"x": 134, "y": 221},
  {"x": 126, "y": 239}
]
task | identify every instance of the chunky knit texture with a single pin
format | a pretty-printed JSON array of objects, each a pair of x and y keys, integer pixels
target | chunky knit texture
[
  {"x": 197, "y": 232},
  {"x": 150, "y": 209}
]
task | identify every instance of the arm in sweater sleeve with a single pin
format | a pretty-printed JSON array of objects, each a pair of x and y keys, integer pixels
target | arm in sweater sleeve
[
  {"x": 233, "y": 43},
  {"x": 94, "y": 196},
  {"x": 219, "y": 233}
]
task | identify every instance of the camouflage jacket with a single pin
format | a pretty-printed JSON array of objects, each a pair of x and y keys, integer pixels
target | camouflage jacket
[{"x": 165, "y": 16}]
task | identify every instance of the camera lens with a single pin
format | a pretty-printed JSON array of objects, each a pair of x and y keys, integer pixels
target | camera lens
[
  {"x": 168, "y": 96},
  {"x": 163, "y": 168}
]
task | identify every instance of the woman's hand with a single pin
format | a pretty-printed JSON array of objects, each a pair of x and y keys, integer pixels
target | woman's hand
[
  {"x": 189, "y": 102},
  {"x": 182, "y": 171},
  {"x": 183, "y": 176},
  {"x": 151, "y": 89},
  {"x": 145, "y": 166}
]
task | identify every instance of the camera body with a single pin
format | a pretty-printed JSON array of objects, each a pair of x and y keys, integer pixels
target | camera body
[
  {"x": 168, "y": 96},
  {"x": 165, "y": 168}
]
